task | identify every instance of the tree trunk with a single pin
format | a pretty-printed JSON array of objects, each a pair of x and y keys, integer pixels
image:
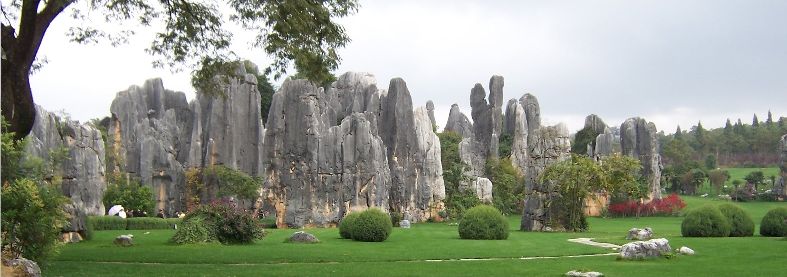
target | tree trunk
[{"x": 17, "y": 101}]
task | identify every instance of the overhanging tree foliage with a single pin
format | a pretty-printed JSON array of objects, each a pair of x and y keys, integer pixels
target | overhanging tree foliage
[{"x": 191, "y": 33}]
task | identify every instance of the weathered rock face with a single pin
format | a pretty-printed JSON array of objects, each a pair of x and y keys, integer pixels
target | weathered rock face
[
  {"x": 645, "y": 249},
  {"x": 316, "y": 171},
  {"x": 229, "y": 130},
  {"x": 483, "y": 124},
  {"x": 155, "y": 135},
  {"x": 532, "y": 114},
  {"x": 483, "y": 189},
  {"x": 781, "y": 187},
  {"x": 430, "y": 109},
  {"x": 458, "y": 123},
  {"x": 603, "y": 142},
  {"x": 595, "y": 123},
  {"x": 547, "y": 145},
  {"x": 516, "y": 127},
  {"x": 413, "y": 154},
  {"x": 149, "y": 133},
  {"x": 638, "y": 140},
  {"x": 82, "y": 169}
]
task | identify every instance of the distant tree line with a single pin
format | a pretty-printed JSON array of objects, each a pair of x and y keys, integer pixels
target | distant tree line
[{"x": 735, "y": 145}]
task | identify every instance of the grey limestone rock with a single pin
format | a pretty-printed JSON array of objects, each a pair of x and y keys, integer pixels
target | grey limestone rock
[
  {"x": 640, "y": 234},
  {"x": 638, "y": 140},
  {"x": 83, "y": 167},
  {"x": 516, "y": 127},
  {"x": 483, "y": 189},
  {"x": 546, "y": 145},
  {"x": 315, "y": 171},
  {"x": 156, "y": 135},
  {"x": 302, "y": 237},
  {"x": 352, "y": 148},
  {"x": 26, "y": 268},
  {"x": 149, "y": 133},
  {"x": 686, "y": 251},
  {"x": 413, "y": 154},
  {"x": 458, "y": 123},
  {"x": 575, "y": 273},
  {"x": 780, "y": 188},
  {"x": 430, "y": 109},
  {"x": 645, "y": 249},
  {"x": 595, "y": 123},
  {"x": 532, "y": 113},
  {"x": 404, "y": 224}
]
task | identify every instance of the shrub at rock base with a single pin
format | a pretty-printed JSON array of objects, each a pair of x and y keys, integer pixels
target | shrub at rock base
[
  {"x": 740, "y": 222},
  {"x": 371, "y": 225},
  {"x": 344, "y": 226},
  {"x": 772, "y": 225},
  {"x": 219, "y": 221},
  {"x": 706, "y": 221},
  {"x": 483, "y": 222}
]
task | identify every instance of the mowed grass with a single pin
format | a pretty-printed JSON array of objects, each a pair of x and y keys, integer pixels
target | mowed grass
[{"x": 407, "y": 251}]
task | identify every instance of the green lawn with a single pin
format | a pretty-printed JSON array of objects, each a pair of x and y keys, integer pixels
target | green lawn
[{"x": 406, "y": 253}]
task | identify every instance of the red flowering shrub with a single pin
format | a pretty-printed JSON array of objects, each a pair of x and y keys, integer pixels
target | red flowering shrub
[{"x": 669, "y": 205}]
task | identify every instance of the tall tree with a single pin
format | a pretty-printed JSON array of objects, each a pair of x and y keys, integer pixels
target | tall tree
[
  {"x": 296, "y": 32},
  {"x": 678, "y": 133},
  {"x": 769, "y": 120},
  {"x": 728, "y": 127},
  {"x": 755, "y": 122}
]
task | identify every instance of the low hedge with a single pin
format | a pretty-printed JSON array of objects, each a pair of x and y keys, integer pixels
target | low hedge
[
  {"x": 147, "y": 223},
  {"x": 99, "y": 223},
  {"x": 740, "y": 222},
  {"x": 483, "y": 222},
  {"x": 706, "y": 221},
  {"x": 772, "y": 224}
]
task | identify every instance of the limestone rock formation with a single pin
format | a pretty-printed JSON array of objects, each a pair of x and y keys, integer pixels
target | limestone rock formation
[
  {"x": 638, "y": 139},
  {"x": 645, "y": 249},
  {"x": 149, "y": 133},
  {"x": 458, "y": 123},
  {"x": 430, "y": 109},
  {"x": 381, "y": 154},
  {"x": 83, "y": 167},
  {"x": 547, "y": 145},
  {"x": 781, "y": 186},
  {"x": 516, "y": 127},
  {"x": 595, "y": 123},
  {"x": 483, "y": 189},
  {"x": 154, "y": 135},
  {"x": 413, "y": 154}
]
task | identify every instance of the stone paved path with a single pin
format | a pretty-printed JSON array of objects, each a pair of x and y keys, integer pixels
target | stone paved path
[{"x": 589, "y": 241}]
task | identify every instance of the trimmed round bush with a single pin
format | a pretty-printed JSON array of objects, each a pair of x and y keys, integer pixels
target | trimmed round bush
[
  {"x": 483, "y": 222},
  {"x": 706, "y": 221},
  {"x": 772, "y": 225},
  {"x": 371, "y": 225},
  {"x": 220, "y": 221},
  {"x": 195, "y": 230},
  {"x": 740, "y": 222},
  {"x": 344, "y": 225}
]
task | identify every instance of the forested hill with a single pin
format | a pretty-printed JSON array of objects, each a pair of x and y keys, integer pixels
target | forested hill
[{"x": 736, "y": 144}]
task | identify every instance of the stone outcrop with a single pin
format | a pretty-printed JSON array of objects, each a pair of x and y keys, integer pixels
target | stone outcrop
[
  {"x": 351, "y": 148},
  {"x": 547, "y": 145},
  {"x": 458, "y": 123},
  {"x": 638, "y": 140},
  {"x": 781, "y": 186},
  {"x": 430, "y": 109},
  {"x": 81, "y": 149},
  {"x": 413, "y": 154},
  {"x": 155, "y": 135},
  {"x": 645, "y": 249}
]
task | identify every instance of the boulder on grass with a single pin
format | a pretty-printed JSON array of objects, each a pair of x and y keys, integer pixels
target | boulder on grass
[
  {"x": 640, "y": 234},
  {"x": 302, "y": 237},
  {"x": 404, "y": 224},
  {"x": 124, "y": 240},
  {"x": 685, "y": 250},
  {"x": 575, "y": 273},
  {"x": 23, "y": 267},
  {"x": 645, "y": 249}
]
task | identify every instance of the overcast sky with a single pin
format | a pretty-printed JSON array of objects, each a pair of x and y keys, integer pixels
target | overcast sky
[{"x": 671, "y": 62}]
